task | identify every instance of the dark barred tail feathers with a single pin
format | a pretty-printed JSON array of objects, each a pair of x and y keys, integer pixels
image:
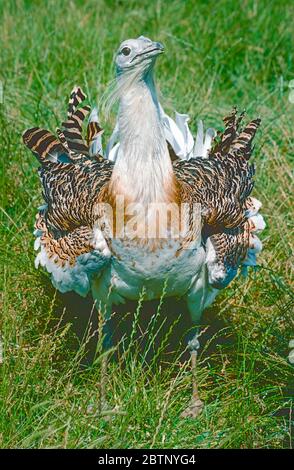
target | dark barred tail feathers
[
  {"x": 237, "y": 245},
  {"x": 233, "y": 140},
  {"x": 70, "y": 145},
  {"x": 71, "y": 129},
  {"x": 222, "y": 184},
  {"x": 44, "y": 145},
  {"x": 77, "y": 96},
  {"x": 72, "y": 174},
  {"x": 94, "y": 135},
  {"x": 225, "y": 139},
  {"x": 243, "y": 143}
]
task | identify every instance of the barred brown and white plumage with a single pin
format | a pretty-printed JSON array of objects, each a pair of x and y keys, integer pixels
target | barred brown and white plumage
[
  {"x": 222, "y": 185},
  {"x": 85, "y": 235},
  {"x": 71, "y": 182}
]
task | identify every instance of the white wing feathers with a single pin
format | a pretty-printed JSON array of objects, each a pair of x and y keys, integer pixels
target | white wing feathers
[
  {"x": 178, "y": 134},
  {"x": 203, "y": 144},
  {"x": 258, "y": 223},
  {"x": 75, "y": 278},
  {"x": 113, "y": 145}
]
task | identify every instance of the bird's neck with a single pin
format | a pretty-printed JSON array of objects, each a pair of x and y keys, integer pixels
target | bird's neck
[{"x": 143, "y": 171}]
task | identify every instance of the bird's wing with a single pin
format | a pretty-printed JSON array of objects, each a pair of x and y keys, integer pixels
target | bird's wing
[
  {"x": 222, "y": 184},
  {"x": 70, "y": 245}
]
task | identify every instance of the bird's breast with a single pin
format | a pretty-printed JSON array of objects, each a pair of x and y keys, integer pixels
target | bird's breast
[{"x": 166, "y": 264}]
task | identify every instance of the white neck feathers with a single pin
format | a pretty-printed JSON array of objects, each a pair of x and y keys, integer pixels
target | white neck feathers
[{"x": 143, "y": 170}]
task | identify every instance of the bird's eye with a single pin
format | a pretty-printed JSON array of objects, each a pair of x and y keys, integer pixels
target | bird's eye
[{"x": 126, "y": 51}]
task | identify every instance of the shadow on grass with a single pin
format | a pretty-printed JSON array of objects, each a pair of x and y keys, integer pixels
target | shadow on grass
[
  {"x": 171, "y": 327},
  {"x": 217, "y": 340}
]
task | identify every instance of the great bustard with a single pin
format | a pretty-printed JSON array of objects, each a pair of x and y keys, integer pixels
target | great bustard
[{"x": 158, "y": 211}]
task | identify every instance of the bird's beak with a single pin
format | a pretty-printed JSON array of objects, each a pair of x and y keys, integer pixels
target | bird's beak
[
  {"x": 153, "y": 50},
  {"x": 159, "y": 47}
]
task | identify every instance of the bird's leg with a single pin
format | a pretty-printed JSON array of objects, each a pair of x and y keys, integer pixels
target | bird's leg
[
  {"x": 106, "y": 345},
  {"x": 104, "y": 338},
  {"x": 196, "y": 405},
  {"x": 103, "y": 383}
]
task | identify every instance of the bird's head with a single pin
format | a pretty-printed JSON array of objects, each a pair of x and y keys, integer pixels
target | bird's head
[
  {"x": 137, "y": 55},
  {"x": 134, "y": 62}
]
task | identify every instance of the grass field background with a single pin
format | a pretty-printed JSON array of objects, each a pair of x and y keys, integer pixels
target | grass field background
[{"x": 218, "y": 54}]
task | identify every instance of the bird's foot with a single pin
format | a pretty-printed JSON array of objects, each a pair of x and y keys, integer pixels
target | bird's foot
[{"x": 194, "y": 409}]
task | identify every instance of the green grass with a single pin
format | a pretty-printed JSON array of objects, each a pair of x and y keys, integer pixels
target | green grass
[{"x": 217, "y": 54}]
